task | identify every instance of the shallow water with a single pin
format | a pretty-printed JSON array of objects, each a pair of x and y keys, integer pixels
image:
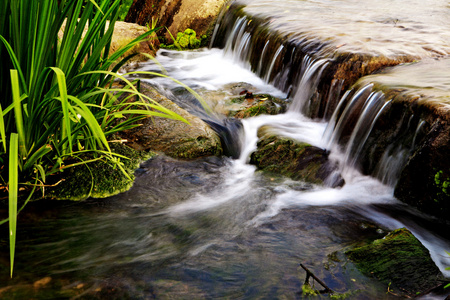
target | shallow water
[{"x": 214, "y": 227}]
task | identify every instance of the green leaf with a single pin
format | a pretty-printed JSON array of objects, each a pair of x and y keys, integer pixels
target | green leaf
[
  {"x": 2, "y": 129},
  {"x": 13, "y": 187},
  {"x": 66, "y": 132},
  {"x": 18, "y": 112}
]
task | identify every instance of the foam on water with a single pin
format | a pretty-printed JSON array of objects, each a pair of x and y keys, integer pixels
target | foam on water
[{"x": 205, "y": 68}]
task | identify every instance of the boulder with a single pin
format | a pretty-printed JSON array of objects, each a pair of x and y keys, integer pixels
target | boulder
[
  {"x": 126, "y": 32},
  {"x": 176, "y": 15},
  {"x": 297, "y": 160},
  {"x": 172, "y": 137},
  {"x": 123, "y": 34},
  {"x": 399, "y": 260}
]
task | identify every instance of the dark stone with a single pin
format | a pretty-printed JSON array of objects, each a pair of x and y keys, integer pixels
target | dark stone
[{"x": 425, "y": 180}]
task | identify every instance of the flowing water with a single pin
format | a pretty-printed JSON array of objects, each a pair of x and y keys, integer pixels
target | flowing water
[{"x": 216, "y": 227}]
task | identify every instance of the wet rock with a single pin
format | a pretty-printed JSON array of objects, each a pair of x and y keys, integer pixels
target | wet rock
[
  {"x": 299, "y": 161},
  {"x": 414, "y": 130},
  {"x": 429, "y": 189},
  {"x": 342, "y": 74},
  {"x": 400, "y": 261},
  {"x": 176, "y": 15},
  {"x": 172, "y": 137},
  {"x": 251, "y": 105}
]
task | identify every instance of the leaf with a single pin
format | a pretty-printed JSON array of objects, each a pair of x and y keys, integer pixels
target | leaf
[
  {"x": 67, "y": 132},
  {"x": 18, "y": 112},
  {"x": 13, "y": 186}
]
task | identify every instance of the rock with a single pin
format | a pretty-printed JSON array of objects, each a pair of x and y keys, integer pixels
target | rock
[
  {"x": 299, "y": 161},
  {"x": 123, "y": 34},
  {"x": 429, "y": 189},
  {"x": 250, "y": 105},
  {"x": 177, "y": 15},
  {"x": 172, "y": 137},
  {"x": 398, "y": 259},
  {"x": 126, "y": 32},
  {"x": 416, "y": 123},
  {"x": 98, "y": 179}
]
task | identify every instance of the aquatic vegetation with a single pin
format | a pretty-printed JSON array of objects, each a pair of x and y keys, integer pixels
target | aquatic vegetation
[{"x": 58, "y": 100}]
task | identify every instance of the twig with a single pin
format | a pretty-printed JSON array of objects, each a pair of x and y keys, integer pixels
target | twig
[{"x": 310, "y": 274}]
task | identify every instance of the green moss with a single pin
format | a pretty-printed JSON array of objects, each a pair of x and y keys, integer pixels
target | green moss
[
  {"x": 258, "y": 105},
  {"x": 196, "y": 147},
  {"x": 399, "y": 259},
  {"x": 283, "y": 156},
  {"x": 442, "y": 184},
  {"x": 98, "y": 179}
]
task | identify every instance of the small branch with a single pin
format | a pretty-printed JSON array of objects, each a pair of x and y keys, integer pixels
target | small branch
[{"x": 310, "y": 274}]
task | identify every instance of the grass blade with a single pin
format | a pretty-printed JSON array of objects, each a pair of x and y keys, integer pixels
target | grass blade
[
  {"x": 2, "y": 129},
  {"x": 66, "y": 132},
  {"x": 13, "y": 194},
  {"x": 18, "y": 111}
]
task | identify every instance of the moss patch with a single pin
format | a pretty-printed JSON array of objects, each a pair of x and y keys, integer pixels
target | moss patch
[
  {"x": 258, "y": 104},
  {"x": 299, "y": 161},
  {"x": 398, "y": 259},
  {"x": 99, "y": 179}
]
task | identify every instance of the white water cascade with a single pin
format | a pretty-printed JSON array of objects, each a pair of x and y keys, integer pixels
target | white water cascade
[{"x": 359, "y": 193}]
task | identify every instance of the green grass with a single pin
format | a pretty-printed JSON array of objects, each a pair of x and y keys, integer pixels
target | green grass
[{"x": 58, "y": 100}]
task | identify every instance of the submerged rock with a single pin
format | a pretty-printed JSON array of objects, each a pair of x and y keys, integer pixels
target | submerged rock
[
  {"x": 172, "y": 137},
  {"x": 299, "y": 161},
  {"x": 399, "y": 260}
]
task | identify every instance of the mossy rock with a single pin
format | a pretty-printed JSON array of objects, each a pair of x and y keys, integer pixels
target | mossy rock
[
  {"x": 399, "y": 260},
  {"x": 98, "y": 179},
  {"x": 258, "y": 104},
  {"x": 299, "y": 161}
]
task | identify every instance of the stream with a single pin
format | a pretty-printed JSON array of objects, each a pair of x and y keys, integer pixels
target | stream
[{"x": 215, "y": 227}]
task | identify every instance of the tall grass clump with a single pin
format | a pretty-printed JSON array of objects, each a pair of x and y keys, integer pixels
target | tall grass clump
[{"x": 58, "y": 102}]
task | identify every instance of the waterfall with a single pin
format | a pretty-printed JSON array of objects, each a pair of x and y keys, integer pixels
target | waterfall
[
  {"x": 286, "y": 64},
  {"x": 298, "y": 66},
  {"x": 310, "y": 75}
]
